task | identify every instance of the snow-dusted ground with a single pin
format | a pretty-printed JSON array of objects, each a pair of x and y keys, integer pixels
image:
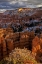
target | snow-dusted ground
[{"x": 22, "y": 14}]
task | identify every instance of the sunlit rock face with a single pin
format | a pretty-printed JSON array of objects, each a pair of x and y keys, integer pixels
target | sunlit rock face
[
  {"x": 24, "y": 9},
  {"x": 36, "y": 44},
  {"x": 20, "y": 9},
  {"x": 10, "y": 40}
]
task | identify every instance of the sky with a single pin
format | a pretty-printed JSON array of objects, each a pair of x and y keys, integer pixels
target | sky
[{"x": 12, "y": 4}]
